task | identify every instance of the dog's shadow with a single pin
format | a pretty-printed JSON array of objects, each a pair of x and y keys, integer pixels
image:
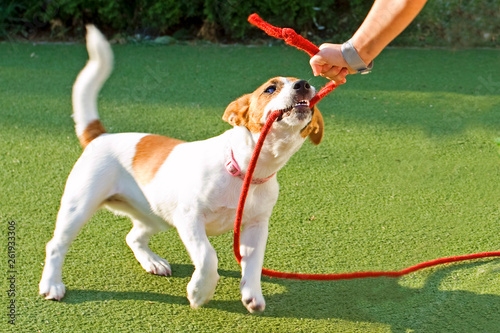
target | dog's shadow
[{"x": 372, "y": 300}]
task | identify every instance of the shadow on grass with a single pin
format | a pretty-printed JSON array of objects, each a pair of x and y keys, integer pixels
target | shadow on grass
[
  {"x": 180, "y": 271},
  {"x": 373, "y": 300},
  {"x": 78, "y": 296},
  {"x": 384, "y": 300}
]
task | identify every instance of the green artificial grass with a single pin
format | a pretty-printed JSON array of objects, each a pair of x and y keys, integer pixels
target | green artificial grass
[{"x": 408, "y": 171}]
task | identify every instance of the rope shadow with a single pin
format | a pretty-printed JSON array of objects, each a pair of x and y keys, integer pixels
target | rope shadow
[{"x": 384, "y": 300}]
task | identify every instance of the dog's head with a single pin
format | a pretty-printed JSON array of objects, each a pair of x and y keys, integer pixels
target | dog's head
[{"x": 288, "y": 94}]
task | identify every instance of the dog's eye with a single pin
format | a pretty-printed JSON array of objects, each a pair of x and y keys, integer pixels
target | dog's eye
[{"x": 270, "y": 89}]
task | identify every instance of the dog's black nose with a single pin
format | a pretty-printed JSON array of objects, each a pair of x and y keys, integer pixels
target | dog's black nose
[{"x": 302, "y": 86}]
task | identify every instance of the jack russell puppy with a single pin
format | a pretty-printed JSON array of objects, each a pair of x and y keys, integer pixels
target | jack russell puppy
[{"x": 160, "y": 182}]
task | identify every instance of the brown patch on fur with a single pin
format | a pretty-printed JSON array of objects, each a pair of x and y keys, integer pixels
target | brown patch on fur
[
  {"x": 150, "y": 153},
  {"x": 248, "y": 109},
  {"x": 315, "y": 128},
  {"x": 236, "y": 113},
  {"x": 93, "y": 130}
]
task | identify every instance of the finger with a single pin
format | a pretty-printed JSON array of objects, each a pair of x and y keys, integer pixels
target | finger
[
  {"x": 343, "y": 73},
  {"x": 317, "y": 64},
  {"x": 332, "y": 72},
  {"x": 341, "y": 77},
  {"x": 337, "y": 74},
  {"x": 316, "y": 69},
  {"x": 340, "y": 81}
]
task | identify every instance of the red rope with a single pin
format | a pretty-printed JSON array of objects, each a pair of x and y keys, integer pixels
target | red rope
[
  {"x": 323, "y": 277},
  {"x": 248, "y": 179},
  {"x": 288, "y": 35},
  {"x": 292, "y": 38}
]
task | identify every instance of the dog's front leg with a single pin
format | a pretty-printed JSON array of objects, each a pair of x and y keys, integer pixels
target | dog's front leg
[
  {"x": 252, "y": 248},
  {"x": 201, "y": 288}
]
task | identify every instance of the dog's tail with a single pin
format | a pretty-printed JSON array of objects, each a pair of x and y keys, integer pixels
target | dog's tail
[{"x": 88, "y": 84}]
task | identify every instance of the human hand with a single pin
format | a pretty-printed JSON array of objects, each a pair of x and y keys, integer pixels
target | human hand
[{"x": 330, "y": 63}]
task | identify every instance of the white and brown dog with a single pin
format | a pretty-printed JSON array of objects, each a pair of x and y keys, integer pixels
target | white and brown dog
[{"x": 160, "y": 182}]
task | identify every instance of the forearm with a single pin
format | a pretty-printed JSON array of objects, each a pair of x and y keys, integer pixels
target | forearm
[{"x": 386, "y": 20}]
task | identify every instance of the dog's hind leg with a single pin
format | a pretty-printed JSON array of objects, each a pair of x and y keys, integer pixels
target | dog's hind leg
[
  {"x": 70, "y": 219},
  {"x": 80, "y": 201},
  {"x": 138, "y": 239},
  {"x": 145, "y": 224}
]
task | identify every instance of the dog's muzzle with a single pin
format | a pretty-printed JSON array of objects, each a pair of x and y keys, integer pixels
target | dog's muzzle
[{"x": 303, "y": 92}]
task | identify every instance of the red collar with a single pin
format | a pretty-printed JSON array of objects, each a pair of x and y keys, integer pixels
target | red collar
[{"x": 234, "y": 170}]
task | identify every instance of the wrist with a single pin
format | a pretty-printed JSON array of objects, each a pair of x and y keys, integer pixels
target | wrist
[
  {"x": 367, "y": 48},
  {"x": 354, "y": 59}
]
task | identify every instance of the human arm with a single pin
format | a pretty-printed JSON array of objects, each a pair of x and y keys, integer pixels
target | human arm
[{"x": 385, "y": 21}]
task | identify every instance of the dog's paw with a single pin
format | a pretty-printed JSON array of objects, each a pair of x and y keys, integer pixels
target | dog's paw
[
  {"x": 157, "y": 266},
  {"x": 256, "y": 304},
  {"x": 201, "y": 290},
  {"x": 52, "y": 291},
  {"x": 252, "y": 298}
]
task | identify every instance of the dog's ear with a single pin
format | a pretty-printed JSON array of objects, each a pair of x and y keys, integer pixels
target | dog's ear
[
  {"x": 236, "y": 113},
  {"x": 315, "y": 128}
]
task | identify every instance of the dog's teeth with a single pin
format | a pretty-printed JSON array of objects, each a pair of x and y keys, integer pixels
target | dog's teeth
[
  {"x": 288, "y": 110},
  {"x": 302, "y": 103}
]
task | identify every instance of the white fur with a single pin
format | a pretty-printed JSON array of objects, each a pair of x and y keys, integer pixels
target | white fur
[
  {"x": 191, "y": 192},
  {"x": 90, "y": 80}
]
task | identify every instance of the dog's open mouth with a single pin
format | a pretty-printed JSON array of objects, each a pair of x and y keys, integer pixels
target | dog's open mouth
[{"x": 301, "y": 108}]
